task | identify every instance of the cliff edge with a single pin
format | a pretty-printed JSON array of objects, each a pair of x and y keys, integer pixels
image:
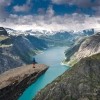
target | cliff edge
[
  {"x": 15, "y": 81},
  {"x": 80, "y": 82}
]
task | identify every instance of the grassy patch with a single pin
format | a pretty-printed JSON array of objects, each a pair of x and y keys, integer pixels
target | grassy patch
[
  {"x": 5, "y": 45},
  {"x": 97, "y": 56},
  {"x": 3, "y": 37}
]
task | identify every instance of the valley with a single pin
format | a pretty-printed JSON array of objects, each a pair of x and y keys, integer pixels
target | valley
[
  {"x": 49, "y": 49},
  {"x": 17, "y": 52}
]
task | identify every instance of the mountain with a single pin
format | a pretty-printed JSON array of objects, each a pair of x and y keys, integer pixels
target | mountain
[
  {"x": 86, "y": 32},
  {"x": 19, "y": 47},
  {"x": 37, "y": 42},
  {"x": 58, "y": 39},
  {"x": 89, "y": 46},
  {"x": 66, "y": 38},
  {"x": 15, "y": 54},
  {"x": 18, "y": 50},
  {"x": 39, "y": 33},
  {"x": 80, "y": 82},
  {"x": 3, "y": 32},
  {"x": 54, "y": 38}
]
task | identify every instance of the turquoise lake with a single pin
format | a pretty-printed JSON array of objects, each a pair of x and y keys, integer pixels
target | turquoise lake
[{"x": 51, "y": 57}]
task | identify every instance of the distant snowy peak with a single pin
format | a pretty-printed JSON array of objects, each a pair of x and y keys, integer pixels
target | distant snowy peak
[
  {"x": 13, "y": 32},
  {"x": 29, "y": 32},
  {"x": 97, "y": 30},
  {"x": 45, "y": 32},
  {"x": 86, "y": 32}
]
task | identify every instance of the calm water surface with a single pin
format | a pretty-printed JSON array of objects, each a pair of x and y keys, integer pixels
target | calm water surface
[{"x": 51, "y": 57}]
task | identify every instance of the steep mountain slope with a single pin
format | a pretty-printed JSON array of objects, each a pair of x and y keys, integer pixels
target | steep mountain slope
[
  {"x": 54, "y": 38},
  {"x": 59, "y": 39},
  {"x": 18, "y": 50},
  {"x": 64, "y": 38},
  {"x": 3, "y": 32},
  {"x": 21, "y": 48},
  {"x": 80, "y": 82},
  {"x": 37, "y": 42},
  {"x": 88, "y": 47}
]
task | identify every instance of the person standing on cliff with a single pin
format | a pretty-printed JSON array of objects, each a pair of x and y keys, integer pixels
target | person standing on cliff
[{"x": 33, "y": 62}]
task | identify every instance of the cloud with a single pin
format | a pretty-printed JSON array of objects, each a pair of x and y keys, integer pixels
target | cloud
[
  {"x": 67, "y": 22},
  {"x": 97, "y": 10},
  {"x": 73, "y": 2},
  {"x": 41, "y": 11},
  {"x": 48, "y": 20},
  {"x": 23, "y": 8},
  {"x": 3, "y": 5},
  {"x": 50, "y": 12},
  {"x": 79, "y": 3}
]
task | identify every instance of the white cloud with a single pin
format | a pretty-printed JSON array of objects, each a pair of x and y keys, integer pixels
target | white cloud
[
  {"x": 80, "y": 3},
  {"x": 3, "y": 13},
  {"x": 23, "y": 8},
  {"x": 55, "y": 23},
  {"x": 5, "y": 2},
  {"x": 50, "y": 12}
]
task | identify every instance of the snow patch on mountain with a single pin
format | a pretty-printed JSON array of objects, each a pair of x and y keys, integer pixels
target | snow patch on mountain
[{"x": 39, "y": 33}]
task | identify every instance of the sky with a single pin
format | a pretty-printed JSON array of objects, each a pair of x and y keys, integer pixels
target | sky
[{"x": 50, "y": 15}]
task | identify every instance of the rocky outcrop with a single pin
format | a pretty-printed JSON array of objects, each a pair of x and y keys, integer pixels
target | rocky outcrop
[
  {"x": 15, "y": 81},
  {"x": 88, "y": 47},
  {"x": 80, "y": 82},
  {"x": 8, "y": 62},
  {"x": 24, "y": 48},
  {"x": 3, "y": 32},
  {"x": 9, "y": 59},
  {"x": 16, "y": 51}
]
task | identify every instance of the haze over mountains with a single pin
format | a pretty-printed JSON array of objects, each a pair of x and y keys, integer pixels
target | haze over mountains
[
  {"x": 17, "y": 48},
  {"x": 45, "y": 32}
]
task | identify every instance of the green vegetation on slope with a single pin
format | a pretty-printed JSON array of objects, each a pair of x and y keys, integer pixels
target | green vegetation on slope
[
  {"x": 80, "y": 82},
  {"x": 3, "y": 37}
]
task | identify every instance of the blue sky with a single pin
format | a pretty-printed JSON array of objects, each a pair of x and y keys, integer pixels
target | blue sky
[
  {"x": 50, "y": 14},
  {"x": 33, "y": 6}
]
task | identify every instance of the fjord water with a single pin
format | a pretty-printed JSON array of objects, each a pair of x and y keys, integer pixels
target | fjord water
[{"x": 51, "y": 57}]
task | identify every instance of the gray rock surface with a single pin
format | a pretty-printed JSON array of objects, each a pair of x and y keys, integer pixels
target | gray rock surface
[
  {"x": 80, "y": 82},
  {"x": 86, "y": 48},
  {"x": 3, "y": 31},
  {"x": 15, "y": 81},
  {"x": 16, "y": 51}
]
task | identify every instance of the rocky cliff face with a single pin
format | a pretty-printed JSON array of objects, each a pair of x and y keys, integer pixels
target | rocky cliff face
[
  {"x": 16, "y": 51},
  {"x": 24, "y": 48},
  {"x": 37, "y": 42},
  {"x": 15, "y": 81},
  {"x": 3, "y": 31},
  {"x": 88, "y": 47},
  {"x": 80, "y": 82},
  {"x": 15, "y": 54},
  {"x": 8, "y": 62}
]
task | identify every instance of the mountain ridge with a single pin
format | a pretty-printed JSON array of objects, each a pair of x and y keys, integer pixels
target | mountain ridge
[
  {"x": 89, "y": 46},
  {"x": 80, "y": 82}
]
